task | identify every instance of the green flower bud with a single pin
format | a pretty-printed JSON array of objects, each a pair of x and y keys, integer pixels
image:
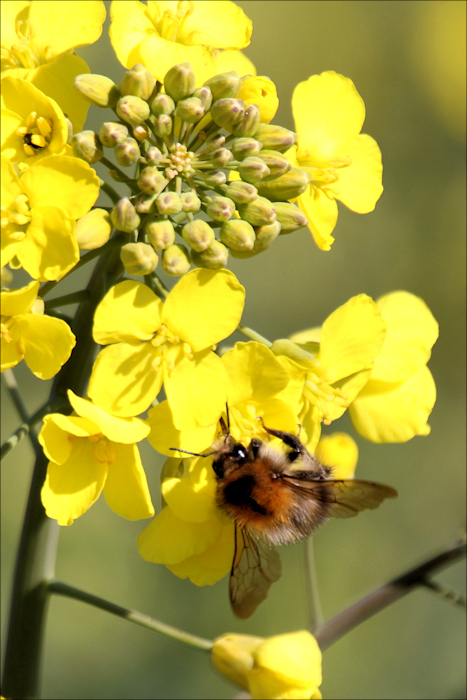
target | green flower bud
[
  {"x": 138, "y": 81},
  {"x": 153, "y": 155},
  {"x": 253, "y": 169},
  {"x": 213, "y": 258},
  {"x": 97, "y": 89},
  {"x": 180, "y": 81},
  {"x": 290, "y": 216},
  {"x": 287, "y": 186},
  {"x": 238, "y": 235},
  {"x": 198, "y": 234},
  {"x": 276, "y": 162},
  {"x": 124, "y": 216},
  {"x": 258, "y": 212},
  {"x": 151, "y": 181},
  {"x": 112, "y": 133},
  {"x": 138, "y": 259},
  {"x": 205, "y": 95},
  {"x": 215, "y": 178},
  {"x": 141, "y": 132},
  {"x": 176, "y": 260},
  {"x": 275, "y": 137},
  {"x": 265, "y": 236},
  {"x": 221, "y": 157},
  {"x": 241, "y": 192},
  {"x": 169, "y": 203},
  {"x": 215, "y": 141},
  {"x": 162, "y": 104},
  {"x": 86, "y": 145},
  {"x": 160, "y": 233},
  {"x": 190, "y": 110},
  {"x": 227, "y": 112},
  {"x": 220, "y": 208},
  {"x": 249, "y": 125},
  {"x": 93, "y": 229},
  {"x": 127, "y": 152},
  {"x": 132, "y": 110},
  {"x": 145, "y": 203},
  {"x": 190, "y": 202},
  {"x": 163, "y": 125},
  {"x": 244, "y": 147},
  {"x": 224, "y": 85}
]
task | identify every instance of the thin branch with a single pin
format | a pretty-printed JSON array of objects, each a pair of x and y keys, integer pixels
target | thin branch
[
  {"x": 9, "y": 379},
  {"x": 446, "y": 593},
  {"x": 58, "y": 404},
  {"x": 314, "y": 603},
  {"x": 138, "y": 618},
  {"x": 156, "y": 284},
  {"x": 253, "y": 335},
  {"x": 66, "y": 299}
]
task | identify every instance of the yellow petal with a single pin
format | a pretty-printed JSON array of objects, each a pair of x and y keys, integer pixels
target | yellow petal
[
  {"x": 226, "y": 61},
  {"x": 212, "y": 565},
  {"x": 55, "y": 440},
  {"x": 254, "y": 373},
  {"x": 189, "y": 500},
  {"x": 321, "y": 213},
  {"x": 222, "y": 25},
  {"x": 78, "y": 22},
  {"x": 339, "y": 451},
  {"x": 126, "y": 488},
  {"x": 47, "y": 343},
  {"x": 11, "y": 354},
  {"x": 164, "y": 435},
  {"x": 360, "y": 185},
  {"x": 19, "y": 301},
  {"x": 261, "y": 91},
  {"x": 159, "y": 55},
  {"x": 130, "y": 26},
  {"x": 130, "y": 311},
  {"x": 124, "y": 430}
]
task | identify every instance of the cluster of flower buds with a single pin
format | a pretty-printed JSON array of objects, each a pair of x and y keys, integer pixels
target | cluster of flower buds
[{"x": 207, "y": 170}]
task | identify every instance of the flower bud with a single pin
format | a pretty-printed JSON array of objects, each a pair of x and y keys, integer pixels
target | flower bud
[
  {"x": 160, "y": 233},
  {"x": 86, "y": 145},
  {"x": 241, "y": 192},
  {"x": 213, "y": 258},
  {"x": 215, "y": 178},
  {"x": 112, "y": 133},
  {"x": 253, "y": 169},
  {"x": 137, "y": 81},
  {"x": 138, "y": 259},
  {"x": 141, "y": 132},
  {"x": 169, "y": 203},
  {"x": 180, "y": 81},
  {"x": 244, "y": 147},
  {"x": 275, "y": 137},
  {"x": 198, "y": 234},
  {"x": 220, "y": 208},
  {"x": 250, "y": 123},
  {"x": 276, "y": 162},
  {"x": 287, "y": 186},
  {"x": 224, "y": 85},
  {"x": 238, "y": 235},
  {"x": 163, "y": 125},
  {"x": 127, "y": 152},
  {"x": 162, "y": 104},
  {"x": 258, "y": 212},
  {"x": 264, "y": 237},
  {"x": 261, "y": 91},
  {"x": 227, "y": 112},
  {"x": 290, "y": 217},
  {"x": 97, "y": 89},
  {"x": 145, "y": 203},
  {"x": 221, "y": 157},
  {"x": 93, "y": 229},
  {"x": 190, "y": 110},
  {"x": 215, "y": 141},
  {"x": 124, "y": 216},
  {"x": 205, "y": 95},
  {"x": 190, "y": 202},
  {"x": 153, "y": 155},
  {"x": 176, "y": 260},
  {"x": 151, "y": 181},
  {"x": 133, "y": 110}
]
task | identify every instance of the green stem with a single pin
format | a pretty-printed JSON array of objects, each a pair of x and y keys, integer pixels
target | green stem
[
  {"x": 253, "y": 335},
  {"x": 157, "y": 286},
  {"x": 56, "y": 405},
  {"x": 73, "y": 298},
  {"x": 9, "y": 379},
  {"x": 446, "y": 593},
  {"x": 109, "y": 191},
  {"x": 138, "y": 618},
  {"x": 314, "y": 603},
  {"x": 122, "y": 177}
]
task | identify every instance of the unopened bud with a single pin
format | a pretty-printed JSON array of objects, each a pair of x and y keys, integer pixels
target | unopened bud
[
  {"x": 138, "y": 259},
  {"x": 162, "y": 104},
  {"x": 145, "y": 203},
  {"x": 221, "y": 157},
  {"x": 238, "y": 235},
  {"x": 97, "y": 89},
  {"x": 141, "y": 132},
  {"x": 264, "y": 237},
  {"x": 220, "y": 208},
  {"x": 133, "y": 110},
  {"x": 224, "y": 85},
  {"x": 215, "y": 178},
  {"x": 198, "y": 234},
  {"x": 253, "y": 169},
  {"x": 190, "y": 110},
  {"x": 275, "y": 137},
  {"x": 163, "y": 125},
  {"x": 176, "y": 260},
  {"x": 190, "y": 202},
  {"x": 160, "y": 233},
  {"x": 261, "y": 91},
  {"x": 138, "y": 81},
  {"x": 93, "y": 229},
  {"x": 286, "y": 187},
  {"x": 215, "y": 141},
  {"x": 153, "y": 155},
  {"x": 127, "y": 152},
  {"x": 227, "y": 112},
  {"x": 205, "y": 95},
  {"x": 258, "y": 212},
  {"x": 112, "y": 133},
  {"x": 244, "y": 147},
  {"x": 290, "y": 217},
  {"x": 180, "y": 81},
  {"x": 276, "y": 162},
  {"x": 124, "y": 216},
  {"x": 86, "y": 145},
  {"x": 151, "y": 181},
  {"x": 250, "y": 123},
  {"x": 241, "y": 192},
  {"x": 213, "y": 258},
  {"x": 169, "y": 203}
]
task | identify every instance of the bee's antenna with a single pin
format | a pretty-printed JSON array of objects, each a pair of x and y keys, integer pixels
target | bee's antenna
[
  {"x": 194, "y": 454},
  {"x": 225, "y": 428},
  {"x": 228, "y": 415}
]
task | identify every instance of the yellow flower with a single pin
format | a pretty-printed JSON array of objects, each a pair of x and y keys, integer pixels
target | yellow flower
[
  {"x": 340, "y": 452},
  {"x": 89, "y": 453},
  {"x": 37, "y": 46},
  {"x": 395, "y": 404},
  {"x": 45, "y": 343},
  {"x": 344, "y": 164},
  {"x": 260, "y": 91},
  {"x": 163, "y": 34},
  {"x": 283, "y": 666},
  {"x": 170, "y": 343},
  {"x": 231, "y": 60},
  {"x": 39, "y": 211}
]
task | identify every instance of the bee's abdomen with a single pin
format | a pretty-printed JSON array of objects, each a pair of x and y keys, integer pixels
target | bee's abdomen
[{"x": 240, "y": 493}]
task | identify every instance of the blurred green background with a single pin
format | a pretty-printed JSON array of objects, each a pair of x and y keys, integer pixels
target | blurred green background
[{"x": 407, "y": 60}]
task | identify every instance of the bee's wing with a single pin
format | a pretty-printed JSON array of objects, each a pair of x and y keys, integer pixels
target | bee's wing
[
  {"x": 346, "y": 497},
  {"x": 255, "y": 567}
]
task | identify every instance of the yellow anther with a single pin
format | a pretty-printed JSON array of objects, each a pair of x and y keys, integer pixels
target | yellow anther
[
  {"x": 104, "y": 452},
  {"x": 156, "y": 363},
  {"x": 21, "y": 204},
  {"x": 29, "y": 150},
  {"x": 31, "y": 120},
  {"x": 44, "y": 126},
  {"x": 38, "y": 140}
]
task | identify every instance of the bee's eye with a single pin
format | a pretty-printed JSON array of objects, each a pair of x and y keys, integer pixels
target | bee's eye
[{"x": 239, "y": 452}]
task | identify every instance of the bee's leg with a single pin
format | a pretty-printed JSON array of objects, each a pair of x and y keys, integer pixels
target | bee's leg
[{"x": 287, "y": 438}]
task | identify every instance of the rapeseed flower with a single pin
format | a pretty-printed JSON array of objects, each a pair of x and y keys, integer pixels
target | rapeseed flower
[
  {"x": 89, "y": 453},
  {"x": 261, "y": 91}
]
